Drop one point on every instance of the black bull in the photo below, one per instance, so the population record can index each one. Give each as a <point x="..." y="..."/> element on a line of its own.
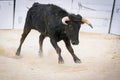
<point x="57" y="24"/>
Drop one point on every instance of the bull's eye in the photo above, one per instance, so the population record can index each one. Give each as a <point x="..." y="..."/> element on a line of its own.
<point x="70" y="27"/>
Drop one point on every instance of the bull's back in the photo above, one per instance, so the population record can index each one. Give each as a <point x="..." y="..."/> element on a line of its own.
<point x="36" y="17"/>
<point x="41" y="15"/>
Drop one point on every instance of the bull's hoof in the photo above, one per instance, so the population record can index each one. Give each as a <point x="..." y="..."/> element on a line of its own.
<point x="40" y="54"/>
<point x="61" y="61"/>
<point x="18" y="53"/>
<point x="77" y="60"/>
<point x="17" y="57"/>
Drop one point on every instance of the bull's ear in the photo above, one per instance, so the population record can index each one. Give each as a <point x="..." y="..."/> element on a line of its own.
<point x="86" y="21"/>
<point x="74" y="17"/>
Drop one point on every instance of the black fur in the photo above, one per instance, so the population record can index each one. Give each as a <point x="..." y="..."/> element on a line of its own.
<point x="47" y="19"/>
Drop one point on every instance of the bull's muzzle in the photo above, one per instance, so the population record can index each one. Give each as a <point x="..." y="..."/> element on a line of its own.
<point x="75" y="42"/>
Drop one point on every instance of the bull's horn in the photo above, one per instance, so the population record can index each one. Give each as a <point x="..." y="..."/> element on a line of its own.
<point x="64" y="19"/>
<point x="87" y="22"/>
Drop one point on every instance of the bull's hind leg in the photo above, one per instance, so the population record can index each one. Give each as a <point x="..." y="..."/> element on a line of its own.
<point x="41" y="38"/>
<point x="25" y="33"/>
<point x="70" y="49"/>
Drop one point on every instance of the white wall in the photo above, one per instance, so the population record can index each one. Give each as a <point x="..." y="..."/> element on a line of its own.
<point x="115" y="28"/>
<point x="6" y="14"/>
<point x="99" y="12"/>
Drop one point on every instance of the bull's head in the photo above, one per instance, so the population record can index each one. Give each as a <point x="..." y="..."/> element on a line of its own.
<point x="72" y="25"/>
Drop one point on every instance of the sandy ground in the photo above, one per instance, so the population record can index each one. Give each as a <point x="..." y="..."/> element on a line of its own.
<point x="99" y="53"/>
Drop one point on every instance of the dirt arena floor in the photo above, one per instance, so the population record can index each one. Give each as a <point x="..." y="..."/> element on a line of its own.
<point x="99" y="53"/>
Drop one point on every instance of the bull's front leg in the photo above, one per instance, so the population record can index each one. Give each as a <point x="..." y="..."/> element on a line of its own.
<point x="58" y="50"/>
<point x="70" y="49"/>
